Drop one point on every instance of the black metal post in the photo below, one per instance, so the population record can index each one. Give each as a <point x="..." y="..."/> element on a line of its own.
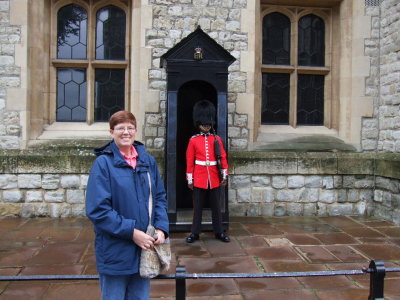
<point x="377" y="276"/>
<point x="180" y="282"/>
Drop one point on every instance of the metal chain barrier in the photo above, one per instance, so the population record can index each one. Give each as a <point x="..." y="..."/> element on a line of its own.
<point x="376" y="270"/>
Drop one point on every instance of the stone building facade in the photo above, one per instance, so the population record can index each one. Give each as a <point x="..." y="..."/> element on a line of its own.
<point x="349" y="165"/>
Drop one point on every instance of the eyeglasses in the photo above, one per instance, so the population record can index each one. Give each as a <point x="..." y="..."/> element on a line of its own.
<point x="122" y="129"/>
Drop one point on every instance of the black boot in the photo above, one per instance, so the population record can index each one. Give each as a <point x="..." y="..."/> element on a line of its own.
<point x="192" y="237"/>
<point x="222" y="237"/>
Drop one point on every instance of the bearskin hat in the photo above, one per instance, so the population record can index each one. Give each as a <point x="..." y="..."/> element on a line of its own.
<point x="203" y="113"/>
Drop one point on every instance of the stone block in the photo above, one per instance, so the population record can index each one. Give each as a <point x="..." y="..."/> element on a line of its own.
<point x="244" y="195"/>
<point x="327" y="182"/>
<point x="279" y="182"/>
<point x="75" y="196"/>
<point x="260" y="181"/>
<point x="13" y="196"/>
<point x="27" y="210"/>
<point x="70" y="181"/>
<point x="54" y="196"/>
<point x="267" y="209"/>
<point x="364" y="182"/>
<point x="317" y="163"/>
<point x="29" y="181"/>
<point x="313" y="182"/>
<point x="288" y="195"/>
<point x="279" y="210"/>
<point x="8" y="181"/>
<point x="34" y="196"/>
<point x="239" y="181"/>
<point x="294" y="209"/>
<point x="308" y="195"/>
<point x="340" y="210"/>
<point x="10" y="210"/>
<point x="237" y="209"/>
<point x="327" y="196"/>
<point x="342" y="196"/>
<point x="78" y="211"/>
<point x="50" y="181"/>
<point x="353" y="195"/>
<point x="295" y="181"/>
<point x="253" y="210"/>
<point x="310" y="209"/>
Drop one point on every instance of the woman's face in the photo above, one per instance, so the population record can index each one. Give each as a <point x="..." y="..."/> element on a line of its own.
<point x="123" y="135"/>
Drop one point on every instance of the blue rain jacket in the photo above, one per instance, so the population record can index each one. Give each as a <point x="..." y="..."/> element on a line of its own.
<point x="117" y="202"/>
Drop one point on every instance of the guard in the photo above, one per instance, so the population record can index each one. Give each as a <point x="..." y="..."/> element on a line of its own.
<point x="203" y="174"/>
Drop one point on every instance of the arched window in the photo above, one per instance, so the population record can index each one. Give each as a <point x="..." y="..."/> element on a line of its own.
<point x="71" y="32"/>
<point x="110" y="33"/>
<point x="91" y="65"/>
<point x="276" y="39"/>
<point x="311" y="31"/>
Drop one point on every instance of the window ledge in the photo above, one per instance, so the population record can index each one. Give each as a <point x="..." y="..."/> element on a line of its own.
<point x="301" y="139"/>
<point x="75" y="130"/>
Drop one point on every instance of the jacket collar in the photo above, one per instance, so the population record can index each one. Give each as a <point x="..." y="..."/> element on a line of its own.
<point x="112" y="149"/>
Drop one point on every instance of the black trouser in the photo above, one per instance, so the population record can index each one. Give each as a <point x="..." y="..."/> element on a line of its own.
<point x="199" y="196"/>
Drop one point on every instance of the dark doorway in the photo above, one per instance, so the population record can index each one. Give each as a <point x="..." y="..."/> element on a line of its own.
<point x="188" y="95"/>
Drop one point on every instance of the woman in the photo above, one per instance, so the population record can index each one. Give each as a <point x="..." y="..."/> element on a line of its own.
<point x="117" y="203"/>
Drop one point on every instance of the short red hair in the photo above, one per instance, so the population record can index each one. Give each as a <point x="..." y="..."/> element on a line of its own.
<point x="122" y="116"/>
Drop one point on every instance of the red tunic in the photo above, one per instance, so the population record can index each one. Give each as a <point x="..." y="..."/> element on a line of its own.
<point x="201" y="149"/>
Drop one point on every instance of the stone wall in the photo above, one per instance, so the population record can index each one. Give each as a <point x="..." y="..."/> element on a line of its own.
<point x="34" y="184"/>
<point x="10" y="35"/>
<point x="173" y="21"/>
<point x="382" y="133"/>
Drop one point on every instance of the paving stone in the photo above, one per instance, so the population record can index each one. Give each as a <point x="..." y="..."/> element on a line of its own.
<point x="363" y="232"/>
<point x="209" y="287"/>
<point x="346" y="294"/>
<point x="327" y="282"/>
<point x="297" y="294"/>
<point x="262" y="229"/>
<point x="334" y="238"/>
<point x="73" y="290"/>
<point x="346" y="253"/>
<point x="59" y="253"/>
<point x="274" y="253"/>
<point x="303" y="239"/>
<point x="259" y="284"/>
<point x="316" y="254"/>
<point x="381" y="252"/>
<point x="24" y="291"/>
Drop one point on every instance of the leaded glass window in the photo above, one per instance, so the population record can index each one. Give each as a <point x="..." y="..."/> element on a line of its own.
<point x="109" y="92"/>
<point x="310" y="100"/>
<point x="110" y="33"/>
<point x="276" y="39"/>
<point x="71" y="94"/>
<point x="275" y="94"/>
<point x="71" y="32"/>
<point x="311" y="41"/>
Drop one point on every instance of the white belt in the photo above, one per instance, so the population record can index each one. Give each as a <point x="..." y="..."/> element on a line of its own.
<point x="206" y="163"/>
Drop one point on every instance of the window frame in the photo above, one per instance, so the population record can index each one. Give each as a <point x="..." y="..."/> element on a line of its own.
<point x="90" y="63"/>
<point x="295" y="13"/>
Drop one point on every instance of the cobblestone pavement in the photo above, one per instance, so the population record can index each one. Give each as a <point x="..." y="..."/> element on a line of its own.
<point x="46" y="246"/>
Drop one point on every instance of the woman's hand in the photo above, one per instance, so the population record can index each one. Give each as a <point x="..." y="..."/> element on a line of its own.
<point x="224" y="182"/>
<point x="160" y="237"/>
<point x="142" y="239"/>
<point x="190" y="186"/>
